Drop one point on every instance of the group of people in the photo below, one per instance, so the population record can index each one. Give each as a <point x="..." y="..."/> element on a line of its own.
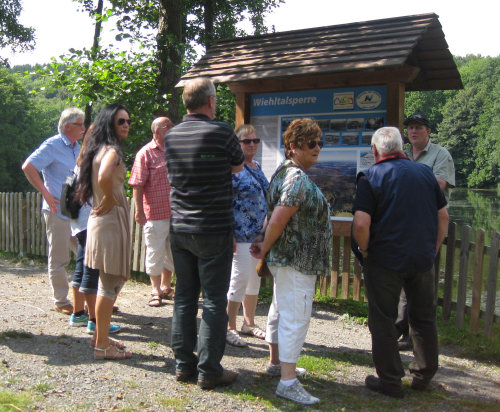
<point x="214" y="215"/>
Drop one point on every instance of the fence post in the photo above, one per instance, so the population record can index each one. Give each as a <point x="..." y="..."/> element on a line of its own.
<point x="448" y="272"/>
<point x="462" y="276"/>
<point x="492" y="285"/>
<point x="477" y="281"/>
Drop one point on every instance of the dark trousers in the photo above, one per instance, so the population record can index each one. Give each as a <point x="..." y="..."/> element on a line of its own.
<point x="402" y="324"/>
<point x="202" y="262"/>
<point x="84" y="278"/>
<point x="383" y="288"/>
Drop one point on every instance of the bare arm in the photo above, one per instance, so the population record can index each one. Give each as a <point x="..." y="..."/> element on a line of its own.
<point x="36" y="181"/>
<point x="237" y="169"/>
<point x="140" y="217"/>
<point x="443" y="218"/>
<point x="442" y="183"/>
<point x="277" y="223"/>
<point x="361" y="229"/>
<point x="107" y="169"/>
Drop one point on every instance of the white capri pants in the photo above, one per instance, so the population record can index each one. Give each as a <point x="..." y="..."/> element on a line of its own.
<point x="290" y="311"/>
<point x="158" y="252"/>
<point x="244" y="278"/>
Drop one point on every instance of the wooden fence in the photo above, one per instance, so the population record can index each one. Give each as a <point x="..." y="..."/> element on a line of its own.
<point x="460" y="285"/>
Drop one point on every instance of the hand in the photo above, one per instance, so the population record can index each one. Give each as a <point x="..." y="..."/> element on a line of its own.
<point x="105" y="206"/>
<point x="256" y="250"/>
<point x="51" y="201"/>
<point x="140" y="217"/>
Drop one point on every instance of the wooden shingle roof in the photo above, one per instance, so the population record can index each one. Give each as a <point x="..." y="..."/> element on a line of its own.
<point x="415" y="42"/>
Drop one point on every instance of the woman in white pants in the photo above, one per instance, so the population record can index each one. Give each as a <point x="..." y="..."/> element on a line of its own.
<point x="296" y="245"/>
<point x="249" y="205"/>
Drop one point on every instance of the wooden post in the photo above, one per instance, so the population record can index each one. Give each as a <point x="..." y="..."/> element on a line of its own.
<point x="334" y="278"/>
<point x="462" y="276"/>
<point x="356" y="284"/>
<point x="477" y="281"/>
<point x="448" y="272"/>
<point x="492" y="285"/>
<point x="346" y="267"/>
<point x="396" y="105"/>
<point x="21" y="224"/>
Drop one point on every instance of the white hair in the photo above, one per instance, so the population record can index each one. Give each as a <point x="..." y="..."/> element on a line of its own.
<point x="69" y="115"/>
<point x="387" y="140"/>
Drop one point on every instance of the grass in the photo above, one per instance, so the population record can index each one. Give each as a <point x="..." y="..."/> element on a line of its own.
<point x="10" y="401"/>
<point x="15" y="334"/>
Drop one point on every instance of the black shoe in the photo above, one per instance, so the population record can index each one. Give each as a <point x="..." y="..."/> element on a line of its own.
<point x="227" y="378"/>
<point x="186" y="376"/>
<point x="375" y="384"/>
<point x="419" y="384"/>
<point x="405" y="344"/>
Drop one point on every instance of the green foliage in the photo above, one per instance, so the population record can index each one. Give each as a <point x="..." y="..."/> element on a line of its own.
<point x="18" y="130"/>
<point x="13" y="34"/>
<point x="466" y="121"/>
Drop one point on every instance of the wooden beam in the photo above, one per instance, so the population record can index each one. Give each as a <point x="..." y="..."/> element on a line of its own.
<point x="404" y="74"/>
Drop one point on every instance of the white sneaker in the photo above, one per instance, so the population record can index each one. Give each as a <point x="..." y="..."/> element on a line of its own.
<point x="275" y="370"/>
<point x="296" y="393"/>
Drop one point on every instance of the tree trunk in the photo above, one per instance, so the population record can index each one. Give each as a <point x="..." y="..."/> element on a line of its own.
<point x="170" y="45"/>
<point x="209" y="23"/>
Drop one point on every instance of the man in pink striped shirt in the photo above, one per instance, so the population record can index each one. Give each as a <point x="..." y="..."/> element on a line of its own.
<point x="152" y="210"/>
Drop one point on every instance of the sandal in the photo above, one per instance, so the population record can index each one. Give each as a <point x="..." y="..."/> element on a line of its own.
<point x="155" y="301"/>
<point x="168" y="294"/>
<point x="112" y="342"/>
<point x="116" y="353"/>
<point x="253" y="331"/>
<point x="234" y="339"/>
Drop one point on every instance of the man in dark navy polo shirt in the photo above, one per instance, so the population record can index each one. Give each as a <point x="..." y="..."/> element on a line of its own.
<point x="400" y="219"/>
<point x="201" y="155"/>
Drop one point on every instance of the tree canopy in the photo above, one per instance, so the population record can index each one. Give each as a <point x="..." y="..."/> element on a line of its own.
<point x="13" y="34"/>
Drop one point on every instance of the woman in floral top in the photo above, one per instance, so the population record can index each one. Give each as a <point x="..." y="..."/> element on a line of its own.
<point x="249" y="205"/>
<point x="296" y="245"/>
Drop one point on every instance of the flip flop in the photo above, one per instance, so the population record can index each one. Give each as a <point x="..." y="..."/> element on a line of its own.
<point x="155" y="301"/>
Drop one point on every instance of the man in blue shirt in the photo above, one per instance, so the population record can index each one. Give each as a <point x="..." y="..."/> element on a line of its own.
<point x="400" y="220"/>
<point x="55" y="159"/>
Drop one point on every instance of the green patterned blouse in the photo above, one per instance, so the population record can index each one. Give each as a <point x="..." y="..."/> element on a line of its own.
<point x="305" y="241"/>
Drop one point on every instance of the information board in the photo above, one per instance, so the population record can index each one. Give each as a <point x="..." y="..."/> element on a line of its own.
<point x="348" y="117"/>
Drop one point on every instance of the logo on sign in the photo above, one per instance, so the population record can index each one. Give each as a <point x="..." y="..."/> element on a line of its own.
<point x="369" y="99"/>
<point x="343" y="101"/>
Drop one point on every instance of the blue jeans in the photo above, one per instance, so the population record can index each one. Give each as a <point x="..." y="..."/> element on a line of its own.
<point x="84" y="278"/>
<point x="383" y="287"/>
<point x="202" y="262"/>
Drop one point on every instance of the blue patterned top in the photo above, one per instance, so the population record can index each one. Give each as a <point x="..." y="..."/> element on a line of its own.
<point x="305" y="242"/>
<point x="249" y="203"/>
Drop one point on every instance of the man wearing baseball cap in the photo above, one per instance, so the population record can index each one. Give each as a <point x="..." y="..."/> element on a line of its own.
<point x="441" y="163"/>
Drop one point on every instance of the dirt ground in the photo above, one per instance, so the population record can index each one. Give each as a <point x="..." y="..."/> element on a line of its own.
<point x="54" y="361"/>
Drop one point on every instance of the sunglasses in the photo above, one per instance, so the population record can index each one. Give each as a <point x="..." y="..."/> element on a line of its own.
<point x="312" y="144"/>
<point x="122" y="121"/>
<point x="248" y="141"/>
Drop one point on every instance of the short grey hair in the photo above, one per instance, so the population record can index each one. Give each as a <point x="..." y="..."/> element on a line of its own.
<point x="69" y="115"/>
<point x="387" y="140"/>
<point x="197" y="92"/>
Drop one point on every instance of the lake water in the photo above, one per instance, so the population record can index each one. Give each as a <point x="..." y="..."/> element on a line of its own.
<point x="479" y="209"/>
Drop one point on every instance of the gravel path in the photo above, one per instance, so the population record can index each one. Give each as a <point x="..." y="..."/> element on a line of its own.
<point x="56" y="362"/>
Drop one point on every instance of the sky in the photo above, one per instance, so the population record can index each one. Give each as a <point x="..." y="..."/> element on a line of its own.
<point x="469" y="27"/>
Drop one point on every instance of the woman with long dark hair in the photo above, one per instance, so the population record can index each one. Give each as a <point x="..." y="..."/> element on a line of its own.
<point x="102" y="173"/>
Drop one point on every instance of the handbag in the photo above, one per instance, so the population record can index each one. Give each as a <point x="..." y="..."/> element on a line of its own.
<point x="263" y="270"/>
<point x="69" y="206"/>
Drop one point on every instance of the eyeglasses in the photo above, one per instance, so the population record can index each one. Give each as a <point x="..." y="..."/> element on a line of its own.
<point x="122" y="121"/>
<point x="248" y="141"/>
<point x="312" y="144"/>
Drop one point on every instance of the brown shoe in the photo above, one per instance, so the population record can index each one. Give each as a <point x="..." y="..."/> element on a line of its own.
<point x="66" y="309"/>
<point x="186" y="376"/>
<point x="227" y="378"/>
